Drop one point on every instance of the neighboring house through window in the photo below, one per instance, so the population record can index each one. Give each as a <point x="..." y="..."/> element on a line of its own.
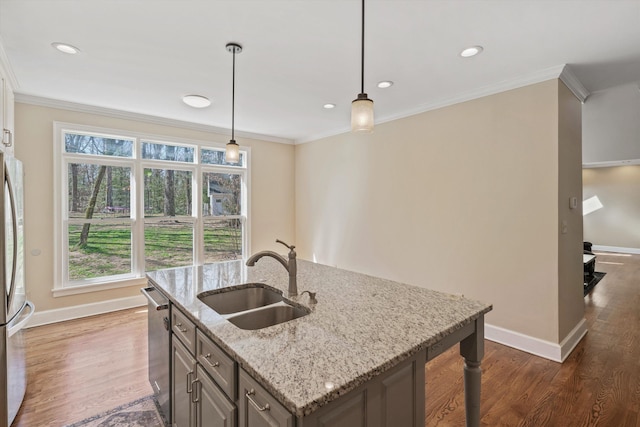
<point x="128" y="203"/>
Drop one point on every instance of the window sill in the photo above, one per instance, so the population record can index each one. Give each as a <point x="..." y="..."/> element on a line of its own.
<point x="96" y="287"/>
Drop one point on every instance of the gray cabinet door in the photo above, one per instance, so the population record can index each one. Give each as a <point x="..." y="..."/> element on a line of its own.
<point x="393" y="399"/>
<point x="401" y="395"/>
<point x="183" y="367"/>
<point x="213" y="408"/>
<point x="349" y="411"/>
<point x="257" y="408"/>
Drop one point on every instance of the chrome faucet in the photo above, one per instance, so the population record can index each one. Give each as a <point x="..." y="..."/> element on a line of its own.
<point x="290" y="265"/>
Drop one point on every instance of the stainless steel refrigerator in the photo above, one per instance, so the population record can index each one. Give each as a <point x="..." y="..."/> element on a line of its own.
<point x="15" y="310"/>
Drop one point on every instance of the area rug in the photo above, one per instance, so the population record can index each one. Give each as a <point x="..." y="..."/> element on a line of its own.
<point x="139" y="413"/>
<point x="592" y="281"/>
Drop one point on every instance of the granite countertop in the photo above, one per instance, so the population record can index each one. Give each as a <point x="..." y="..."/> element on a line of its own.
<point x="361" y="326"/>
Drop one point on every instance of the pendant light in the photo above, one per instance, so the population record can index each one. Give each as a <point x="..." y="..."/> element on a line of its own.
<point x="362" y="107"/>
<point x="232" y="152"/>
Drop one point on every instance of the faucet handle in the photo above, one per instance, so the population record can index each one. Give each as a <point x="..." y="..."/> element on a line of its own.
<point x="290" y="247"/>
<point x="312" y="297"/>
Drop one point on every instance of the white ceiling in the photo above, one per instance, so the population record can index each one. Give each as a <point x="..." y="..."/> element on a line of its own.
<point x="142" y="56"/>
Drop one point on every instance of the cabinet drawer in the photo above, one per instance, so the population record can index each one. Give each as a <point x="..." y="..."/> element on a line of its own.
<point x="257" y="407"/>
<point x="218" y="365"/>
<point x="183" y="328"/>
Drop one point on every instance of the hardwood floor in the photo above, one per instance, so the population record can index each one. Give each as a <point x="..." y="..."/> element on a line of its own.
<point x="598" y="384"/>
<point x="80" y="368"/>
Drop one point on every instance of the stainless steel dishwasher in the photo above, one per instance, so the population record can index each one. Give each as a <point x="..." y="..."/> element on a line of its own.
<point x="159" y="349"/>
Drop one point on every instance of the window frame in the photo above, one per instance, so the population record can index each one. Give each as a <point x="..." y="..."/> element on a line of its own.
<point x="62" y="285"/>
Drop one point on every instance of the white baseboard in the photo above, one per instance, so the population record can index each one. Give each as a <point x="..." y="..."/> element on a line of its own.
<point x="572" y="339"/>
<point x="536" y="346"/>
<point x="616" y="249"/>
<point x="77" y="311"/>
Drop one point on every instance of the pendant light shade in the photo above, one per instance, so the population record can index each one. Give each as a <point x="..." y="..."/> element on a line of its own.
<point x="362" y="114"/>
<point x="362" y="119"/>
<point x="232" y="151"/>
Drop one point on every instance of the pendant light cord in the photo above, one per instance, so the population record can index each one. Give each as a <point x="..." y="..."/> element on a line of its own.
<point x="233" y="95"/>
<point x="362" y="56"/>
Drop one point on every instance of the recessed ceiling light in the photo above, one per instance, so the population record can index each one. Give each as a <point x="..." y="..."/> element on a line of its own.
<point x="329" y="106"/>
<point x="66" y="48"/>
<point x="196" y="101"/>
<point x="471" y="51"/>
<point x="385" y="84"/>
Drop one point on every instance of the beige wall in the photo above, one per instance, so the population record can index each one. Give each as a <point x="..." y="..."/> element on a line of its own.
<point x="618" y="222"/>
<point x="611" y="127"/>
<point x="272" y="190"/>
<point x="463" y="199"/>
<point x="570" y="267"/>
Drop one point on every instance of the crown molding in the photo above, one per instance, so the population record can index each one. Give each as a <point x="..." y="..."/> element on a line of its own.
<point x="611" y="164"/>
<point x="563" y="72"/>
<point x="502" y="86"/>
<point x="5" y="67"/>
<point x="139" y="117"/>
<point x="322" y="135"/>
<point x="575" y="86"/>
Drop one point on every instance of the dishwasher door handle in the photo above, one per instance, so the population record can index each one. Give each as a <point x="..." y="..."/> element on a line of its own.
<point x="157" y="305"/>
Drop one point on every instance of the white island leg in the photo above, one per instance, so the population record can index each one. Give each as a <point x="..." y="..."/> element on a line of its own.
<point x="472" y="349"/>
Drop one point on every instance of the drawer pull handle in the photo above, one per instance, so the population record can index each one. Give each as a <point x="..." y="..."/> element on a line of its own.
<point x="252" y="392"/>
<point x="189" y="382"/>
<point x="214" y="364"/>
<point x="179" y="326"/>
<point x="194" y="387"/>
<point x="9" y="141"/>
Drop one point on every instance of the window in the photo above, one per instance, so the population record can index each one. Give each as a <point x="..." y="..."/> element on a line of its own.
<point x="129" y="204"/>
<point x="99" y="224"/>
<point x="222" y="214"/>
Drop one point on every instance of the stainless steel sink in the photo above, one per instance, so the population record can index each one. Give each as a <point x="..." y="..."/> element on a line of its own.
<point x="242" y="299"/>
<point x="252" y="307"/>
<point x="267" y="316"/>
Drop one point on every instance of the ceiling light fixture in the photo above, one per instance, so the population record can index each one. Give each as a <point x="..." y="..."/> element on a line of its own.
<point x="66" y="48"/>
<point x="329" y="106"/>
<point x="385" y="84"/>
<point x="471" y="51"/>
<point x="362" y="107"/>
<point x="196" y="101"/>
<point x="232" y="152"/>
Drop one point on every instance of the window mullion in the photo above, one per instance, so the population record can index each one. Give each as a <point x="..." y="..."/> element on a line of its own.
<point x="65" y="253"/>
<point x="137" y="237"/>
<point x="198" y="229"/>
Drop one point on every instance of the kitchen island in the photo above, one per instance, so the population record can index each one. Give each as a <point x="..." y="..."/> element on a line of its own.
<point x="362" y="328"/>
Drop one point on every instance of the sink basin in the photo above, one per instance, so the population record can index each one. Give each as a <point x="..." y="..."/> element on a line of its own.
<point x="252" y="307"/>
<point x="267" y="316"/>
<point x="241" y="299"/>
